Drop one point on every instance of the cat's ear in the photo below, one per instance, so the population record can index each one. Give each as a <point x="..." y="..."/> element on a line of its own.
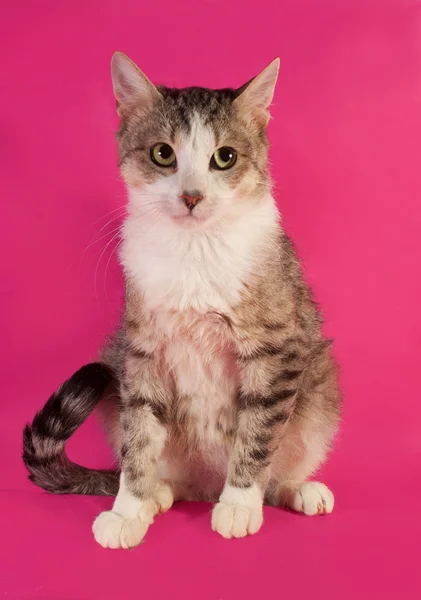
<point x="131" y="86"/>
<point x="255" y="96"/>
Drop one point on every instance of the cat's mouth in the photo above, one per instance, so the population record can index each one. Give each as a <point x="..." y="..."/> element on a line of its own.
<point x="191" y="218"/>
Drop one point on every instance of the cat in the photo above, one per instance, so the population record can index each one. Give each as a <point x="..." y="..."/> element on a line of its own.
<point x="219" y="385"/>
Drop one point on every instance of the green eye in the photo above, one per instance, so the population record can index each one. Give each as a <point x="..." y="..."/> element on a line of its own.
<point x="224" y="158"/>
<point x="163" y="155"/>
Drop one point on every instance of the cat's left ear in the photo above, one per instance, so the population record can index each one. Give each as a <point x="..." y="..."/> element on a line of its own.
<point x="255" y="96"/>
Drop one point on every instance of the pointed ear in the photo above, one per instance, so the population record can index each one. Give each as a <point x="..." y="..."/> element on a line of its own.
<point x="255" y="96"/>
<point x="131" y="86"/>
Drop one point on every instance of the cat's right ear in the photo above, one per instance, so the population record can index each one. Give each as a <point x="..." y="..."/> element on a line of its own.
<point x="131" y="86"/>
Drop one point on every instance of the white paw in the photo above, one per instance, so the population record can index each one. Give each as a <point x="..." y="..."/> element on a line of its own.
<point x="235" y="520"/>
<point x="126" y="525"/>
<point x="312" y="498"/>
<point x="111" y="530"/>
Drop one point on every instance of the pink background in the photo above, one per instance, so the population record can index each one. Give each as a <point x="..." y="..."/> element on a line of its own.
<point x="346" y="139"/>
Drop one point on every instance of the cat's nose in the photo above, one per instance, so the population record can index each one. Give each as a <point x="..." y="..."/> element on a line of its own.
<point x="191" y="199"/>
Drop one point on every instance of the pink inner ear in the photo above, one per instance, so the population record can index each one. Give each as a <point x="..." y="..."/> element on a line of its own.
<point x="130" y="84"/>
<point x="257" y="93"/>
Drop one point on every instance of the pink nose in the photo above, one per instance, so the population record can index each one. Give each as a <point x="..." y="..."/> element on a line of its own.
<point x="190" y="200"/>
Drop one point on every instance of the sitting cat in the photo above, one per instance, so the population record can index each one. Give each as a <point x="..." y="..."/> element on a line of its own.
<point x="219" y="385"/>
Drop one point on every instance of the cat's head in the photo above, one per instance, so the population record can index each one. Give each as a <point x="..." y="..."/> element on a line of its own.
<point x="192" y="155"/>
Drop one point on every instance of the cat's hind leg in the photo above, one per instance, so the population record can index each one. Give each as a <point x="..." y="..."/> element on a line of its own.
<point x="307" y="442"/>
<point x="290" y="486"/>
<point x="295" y="464"/>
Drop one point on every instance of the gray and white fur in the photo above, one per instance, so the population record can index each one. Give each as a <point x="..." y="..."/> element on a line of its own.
<point x="219" y="385"/>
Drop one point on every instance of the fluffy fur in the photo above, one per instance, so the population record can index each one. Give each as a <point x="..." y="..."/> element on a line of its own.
<point x="221" y="386"/>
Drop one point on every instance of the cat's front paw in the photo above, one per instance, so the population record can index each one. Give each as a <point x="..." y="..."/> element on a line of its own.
<point x="111" y="530"/>
<point x="236" y="520"/>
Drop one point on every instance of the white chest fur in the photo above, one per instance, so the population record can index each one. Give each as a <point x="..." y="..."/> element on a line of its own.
<point x="177" y="270"/>
<point x="186" y="278"/>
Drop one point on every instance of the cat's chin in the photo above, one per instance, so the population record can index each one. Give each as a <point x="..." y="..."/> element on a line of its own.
<point x="191" y="220"/>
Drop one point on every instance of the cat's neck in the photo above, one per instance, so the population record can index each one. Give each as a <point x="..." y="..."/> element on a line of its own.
<point x="201" y="268"/>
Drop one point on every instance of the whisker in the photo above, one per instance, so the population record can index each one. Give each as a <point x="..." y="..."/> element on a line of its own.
<point x="96" y="240"/>
<point x="117" y="216"/>
<point x="115" y="236"/>
<point x="106" y="215"/>
<point x="113" y="251"/>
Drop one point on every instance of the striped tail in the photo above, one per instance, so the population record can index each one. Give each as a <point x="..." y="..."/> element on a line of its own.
<point x="44" y="440"/>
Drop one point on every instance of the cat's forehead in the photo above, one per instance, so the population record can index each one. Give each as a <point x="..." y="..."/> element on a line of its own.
<point x="181" y="109"/>
<point x="210" y="105"/>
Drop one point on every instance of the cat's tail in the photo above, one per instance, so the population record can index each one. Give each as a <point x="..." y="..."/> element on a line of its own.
<point x="44" y="440"/>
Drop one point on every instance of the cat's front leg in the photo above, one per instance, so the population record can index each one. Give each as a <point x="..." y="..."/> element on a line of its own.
<point x="239" y="511"/>
<point x="269" y="380"/>
<point x="146" y="400"/>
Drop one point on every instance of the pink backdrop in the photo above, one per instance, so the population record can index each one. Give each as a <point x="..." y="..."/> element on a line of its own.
<point x="346" y="139"/>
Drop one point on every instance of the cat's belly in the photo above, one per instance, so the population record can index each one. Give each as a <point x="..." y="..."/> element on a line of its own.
<point x="203" y="415"/>
<point x="206" y="383"/>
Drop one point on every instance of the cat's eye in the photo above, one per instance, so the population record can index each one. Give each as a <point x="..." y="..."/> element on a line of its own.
<point x="163" y="155"/>
<point x="224" y="158"/>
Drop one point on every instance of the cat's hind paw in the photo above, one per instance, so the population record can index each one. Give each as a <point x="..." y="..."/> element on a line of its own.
<point x="311" y="498"/>
<point x="164" y="497"/>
